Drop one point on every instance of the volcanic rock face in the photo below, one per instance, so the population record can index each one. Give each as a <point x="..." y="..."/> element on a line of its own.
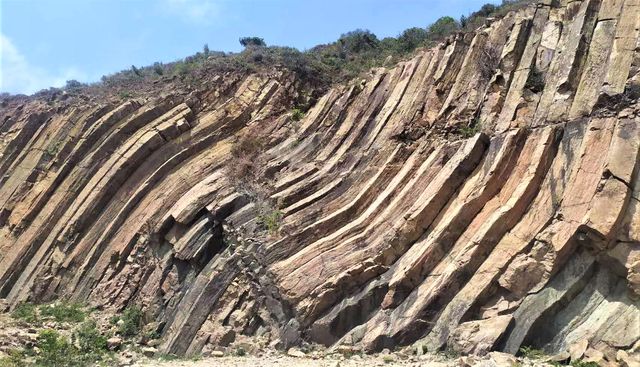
<point x="385" y="227"/>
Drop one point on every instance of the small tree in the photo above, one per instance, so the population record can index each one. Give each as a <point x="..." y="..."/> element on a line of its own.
<point x="463" y="21"/>
<point x="135" y="70"/>
<point x="412" y="38"/>
<point x="205" y="50"/>
<point x="73" y="84"/>
<point x="158" y="68"/>
<point x="252" y="41"/>
<point x="486" y="10"/>
<point x="442" y="28"/>
<point x="358" y="41"/>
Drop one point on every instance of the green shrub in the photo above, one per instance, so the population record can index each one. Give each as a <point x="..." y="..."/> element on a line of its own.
<point x="349" y="56"/>
<point x="55" y="350"/>
<point x="357" y="41"/>
<point x="86" y="346"/>
<point x="63" y="312"/>
<point x="450" y="353"/>
<point x="387" y="358"/>
<point x="252" y="41"/>
<point x="14" y="358"/>
<point x="113" y="320"/>
<point x="271" y="221"/>
<point x="411" y="39"/>
<point x="531" y="352"/>
<point x="580" y="363"/>
<point x="181" y="68"/>
<point x="297" y="114"/>
<point x="477" y="18"/>
<point x="131" y="322"/>
<point x="53" y="148"/>
<point x="73" y="85"/>
<point x="487" y="10"/>
<point x="125" y="94"/>
<point x="151" y="334"/>
<point x="442" y="28"/>
<point x="471" y="129"/>
<point x="157" y="68"/>
<point x="135" y="70"/>
<point x="464" y="20"/>
<point x="241" y="352"/>
<point x="26" y="312"/>
<point x="89" y="339"/>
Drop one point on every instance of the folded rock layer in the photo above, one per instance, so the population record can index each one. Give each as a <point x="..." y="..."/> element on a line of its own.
<point x="482" y="195"/>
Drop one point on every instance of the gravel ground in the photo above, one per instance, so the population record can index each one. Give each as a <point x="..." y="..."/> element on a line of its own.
<point x="272" y="359"/>
<point x="283" y="360"/>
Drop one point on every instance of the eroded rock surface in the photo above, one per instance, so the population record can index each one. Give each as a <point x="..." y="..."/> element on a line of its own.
<point x="370" y="223"/>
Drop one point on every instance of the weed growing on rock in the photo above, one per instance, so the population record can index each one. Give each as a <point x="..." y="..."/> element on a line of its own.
<point x="271" y="221"/>
<point x="471" y="129"/>
<point x="297" y="114"/>
<point x="53" y="149"/>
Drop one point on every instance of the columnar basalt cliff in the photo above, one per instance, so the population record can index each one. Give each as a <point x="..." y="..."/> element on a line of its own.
<point x="482" y="195"/>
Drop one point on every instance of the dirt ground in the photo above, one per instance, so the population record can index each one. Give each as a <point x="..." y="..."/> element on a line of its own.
<point x="283" y="360"/>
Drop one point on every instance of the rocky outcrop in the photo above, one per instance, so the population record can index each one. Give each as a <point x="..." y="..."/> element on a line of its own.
<point x="375" y="221"/>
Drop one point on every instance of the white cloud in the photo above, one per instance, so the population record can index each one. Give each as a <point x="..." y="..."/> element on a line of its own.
<point x="17" y="75"/>
<point x="195" y="11"/>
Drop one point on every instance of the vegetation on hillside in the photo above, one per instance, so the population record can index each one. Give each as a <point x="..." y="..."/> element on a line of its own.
<point x="352" y="54"/>
<point x="64" y="334"/>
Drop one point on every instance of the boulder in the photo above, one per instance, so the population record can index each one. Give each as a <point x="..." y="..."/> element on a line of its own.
<point x="294" y="352"/>
<point x="503" y="359"/>
<point x="627" y="360"/>
<point x="560" y="357"/>
<point x="577" y="349"/>
<point x="479" y="337"/>
<point x="114" y="343"/>
<point x="594" y="355"/>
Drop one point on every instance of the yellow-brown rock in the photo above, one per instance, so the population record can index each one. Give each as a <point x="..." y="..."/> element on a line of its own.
<point x="347" y="231"/>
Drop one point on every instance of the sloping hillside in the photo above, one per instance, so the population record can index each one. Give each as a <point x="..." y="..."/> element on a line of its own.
<point x="483" y="195"/>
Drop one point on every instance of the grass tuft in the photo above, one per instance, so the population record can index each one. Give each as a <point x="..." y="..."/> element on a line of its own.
<point x="63" y="312"/>
<point x="531" y="353"/>
<point x="26" y="312"/>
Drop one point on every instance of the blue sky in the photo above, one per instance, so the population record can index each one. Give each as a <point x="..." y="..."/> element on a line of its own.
<point x="46" y="42"/>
